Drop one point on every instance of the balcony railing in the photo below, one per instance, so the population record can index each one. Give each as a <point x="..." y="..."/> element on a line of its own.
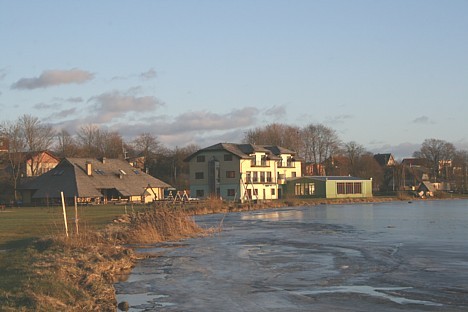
<point x="261" y="163"/>
<point x="285" y="164"/>
<point x="258" y="181"/>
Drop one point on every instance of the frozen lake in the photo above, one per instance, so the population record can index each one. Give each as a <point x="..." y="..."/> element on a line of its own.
<point x="356" y="257"/>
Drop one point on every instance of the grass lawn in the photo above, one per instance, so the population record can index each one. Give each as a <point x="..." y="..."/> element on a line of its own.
<point x="20" y="225"/>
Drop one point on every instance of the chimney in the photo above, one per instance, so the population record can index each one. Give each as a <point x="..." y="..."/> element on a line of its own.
<point x="89" y="168"/>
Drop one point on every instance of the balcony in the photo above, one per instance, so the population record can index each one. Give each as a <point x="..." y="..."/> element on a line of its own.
<point x="261" y="163"/>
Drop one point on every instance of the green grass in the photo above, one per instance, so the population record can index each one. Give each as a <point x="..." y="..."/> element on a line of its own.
<point x="18" y="226"/>
<point x="19" y="254"/>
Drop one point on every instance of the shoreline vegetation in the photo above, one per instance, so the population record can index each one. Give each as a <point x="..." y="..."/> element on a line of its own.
<point x="53" y="272"/>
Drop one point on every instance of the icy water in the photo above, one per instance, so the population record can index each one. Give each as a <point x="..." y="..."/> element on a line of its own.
<point x="410" y="256"/>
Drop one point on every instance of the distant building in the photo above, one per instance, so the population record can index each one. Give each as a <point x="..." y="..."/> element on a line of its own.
<point x="4" y="147"/>
<point x="328" y="187"/>
<point x="242" y="171"/>
<point x="94" y="181"/>
<point x="385" y="159"/>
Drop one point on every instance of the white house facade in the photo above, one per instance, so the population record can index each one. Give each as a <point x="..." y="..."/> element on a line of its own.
<point x="241" y="171"/>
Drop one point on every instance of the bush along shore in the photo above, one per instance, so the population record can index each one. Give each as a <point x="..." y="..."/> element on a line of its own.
<point x="56" y="273"/>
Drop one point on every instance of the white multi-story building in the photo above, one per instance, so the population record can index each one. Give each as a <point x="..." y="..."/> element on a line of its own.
<point x="241" y="171"/>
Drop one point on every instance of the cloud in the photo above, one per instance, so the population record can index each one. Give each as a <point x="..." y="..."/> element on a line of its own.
<point x="3" y="73"/>
<point x="51" y="78"/>
<point x="195" y="127"/>
<point x="64" y="113"/>
<point x="208" y="121"/>
<point x="150" y="74"/>
<point x="74" y="100"/>
<point x="339" y="119"/>
<point x="399" y="151"/>
<point x="112" y="105"/>
<point x="276" y="111"/>
<point x="44" y="106"/>
<point x="424" y="120"/>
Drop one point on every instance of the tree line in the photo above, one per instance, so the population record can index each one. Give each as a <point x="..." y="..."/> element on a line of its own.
<point x="321" y="146"/>
<point x="318" y="145"/>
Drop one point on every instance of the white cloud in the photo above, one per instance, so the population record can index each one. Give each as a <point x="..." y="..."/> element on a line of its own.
<point x="113" y="105"/>
<point x="50" y="78"/>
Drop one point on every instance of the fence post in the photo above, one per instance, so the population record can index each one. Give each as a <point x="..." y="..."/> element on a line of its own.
<point x="64" y="214"/>
<point x="76" y="216"/>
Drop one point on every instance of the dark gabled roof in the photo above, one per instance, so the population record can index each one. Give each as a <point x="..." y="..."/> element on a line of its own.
<point x="70" y="177"/>
<point x="383" y="159"/>
<point x="421" y="162"/>
<point x="245" y="150"/>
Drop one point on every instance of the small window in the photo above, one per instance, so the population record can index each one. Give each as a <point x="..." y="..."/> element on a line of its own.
<point x="199" y="175"/>
<point x="293" y="174"/>
<point x="273" y="192"/>
<point x="231" y="192"/>
<point x="201" y="158"/>
<point x="230" y="174"/>
<point x="340" y="188"/>
<point x="227" y="157"/>
<point x="199" y="193"/>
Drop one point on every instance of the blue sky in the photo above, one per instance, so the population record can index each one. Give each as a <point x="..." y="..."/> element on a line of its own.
<point x="386" y="74"/>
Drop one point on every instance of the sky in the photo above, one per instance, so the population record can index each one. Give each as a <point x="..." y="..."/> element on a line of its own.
<point x="385" y="74"/>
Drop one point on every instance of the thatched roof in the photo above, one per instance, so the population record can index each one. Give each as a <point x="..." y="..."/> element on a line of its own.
<point x="70" y="176"/>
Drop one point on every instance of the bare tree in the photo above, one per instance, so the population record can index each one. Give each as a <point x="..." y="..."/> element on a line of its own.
<point x="16" y="147"/>
<point x="275" y="134"/>
<point x="66" y="144"/>
<point x="319" y="143"/>
<point x="88" y="138"/>
<point x="436" y="152"/>
<point x="38" y="137"/>
<point x="353" y="152"/>
<point x="147" y="145"/>
<point x="460" y="168"/>
<point x="110" y="144"/>
<point x="27" y="135"/>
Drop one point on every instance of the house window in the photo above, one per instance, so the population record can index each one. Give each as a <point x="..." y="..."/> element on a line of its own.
<point x="199" y="193"/>
<point x="302" y="189"/>
<point x="227" y="157"/>
<point x="248" y="176"/>
<point x="255" y="177"/>
<point x="255" y="192"/>
<point x="357" y="188"/>
<point x="199" y="175"/>
<point x="340" y="188"/>
<point x="349" y="188"/>
<point x="273" y="192"/>
<point x="201" y="158"/>
<point x="230" y="174"/>
<point x="299" y="189"/>
<point x="231" y="192"/>
<point x="269" y="180"/>
<point x="293" y="174"/>
<point x="262" y="176"/>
